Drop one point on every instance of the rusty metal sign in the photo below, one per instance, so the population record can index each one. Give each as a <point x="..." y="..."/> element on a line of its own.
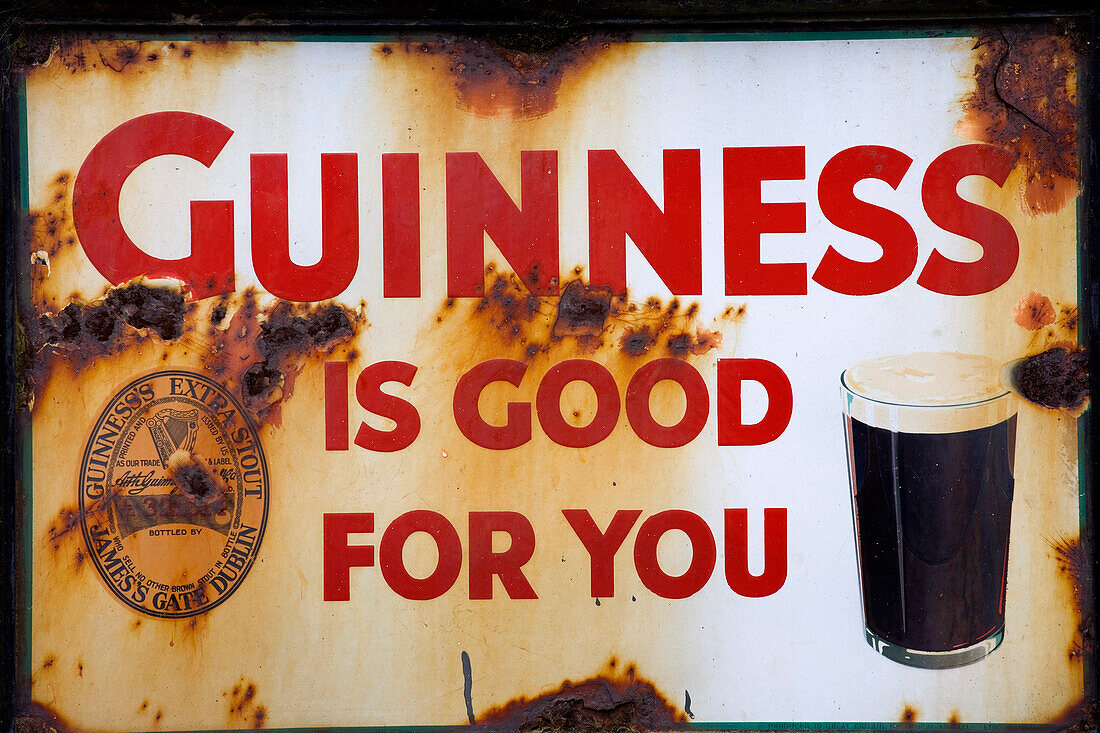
<point x="730" y="381"/>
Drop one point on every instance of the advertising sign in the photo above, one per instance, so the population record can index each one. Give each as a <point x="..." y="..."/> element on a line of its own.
<point x="729" y="381"/>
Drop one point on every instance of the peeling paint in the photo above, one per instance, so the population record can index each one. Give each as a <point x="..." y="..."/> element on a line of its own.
<point x="1057" y="378"/>
<point x="261" y="350"/>
<point x="1034" y="311"/>
<point x="1025" y="100"/>
<point x="617" y="699"/>
<point x="84" y="331"/>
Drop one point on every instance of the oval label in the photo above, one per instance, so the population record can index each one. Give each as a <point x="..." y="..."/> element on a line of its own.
<point x="173" y="494"/>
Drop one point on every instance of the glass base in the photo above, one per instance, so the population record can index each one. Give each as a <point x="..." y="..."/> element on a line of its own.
<point x="935" y="660"/>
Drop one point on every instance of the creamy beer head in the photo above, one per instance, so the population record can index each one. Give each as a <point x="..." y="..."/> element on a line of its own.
<point x="927" y="378"/>
<point x="909" y="392"/>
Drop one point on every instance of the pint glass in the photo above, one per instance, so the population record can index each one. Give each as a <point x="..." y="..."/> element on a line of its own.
<point x="930" y="440"/>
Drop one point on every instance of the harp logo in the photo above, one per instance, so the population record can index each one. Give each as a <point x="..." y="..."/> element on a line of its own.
<point x="173" y="494"/>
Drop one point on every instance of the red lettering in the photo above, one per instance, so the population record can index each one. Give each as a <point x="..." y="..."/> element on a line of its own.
<point x="731" y="373"/>
<point x="695" y="392"/>
<point x="670" y="240"/>
<point x="738" y="577"/>
<point x="746" y="218"/>
<point x="391" y="561"/>
<point x="527" y="236"/>
<point x="704" y="554"/>
<point x="516" y="431"/>
<point x="208" y="269"/>
<point x="369" y="394"/>
<point x="548" y="403"/>
<point x="889" y="230"/>
<point x="339" y="556"/>
<point x="506" y="565"/>
<point x="602" y="546"/>
<point x="400" y="225"/>
<point x="952" y="213"/>
<point x="336" y="405"/>
<point x="332" y="274"/>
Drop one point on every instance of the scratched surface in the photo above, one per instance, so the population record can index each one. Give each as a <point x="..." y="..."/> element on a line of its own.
<point x="275" y="653"/>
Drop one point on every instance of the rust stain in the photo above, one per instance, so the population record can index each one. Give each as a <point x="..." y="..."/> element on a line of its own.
<point x="908" y="715"/>
<point x="1057" y="378"/>
<point x="88" y="53"/>
<point x="63" y="535"/>
<point x="1072" y="556"/>
<point x="585" y="319"/>
<point x="1025" y="100"/>
<point x="1082" y="716"/>
<point x="243" y="707"/>
<point x="38" y="718"/>
<point x="50" y="239"/>
<point x="954" y="721"/>
<point x="497" y="82"/>
<point x="615" y="699"/>
<point x="261" y="350"/>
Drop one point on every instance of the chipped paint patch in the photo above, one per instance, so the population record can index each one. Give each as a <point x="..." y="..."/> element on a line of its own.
<point x="261" y="350"/>
<point x="1034" y="311"/>
<point x="1025" y="100"/>
<point x="616" y="699"/>
<point x="1057" y="378"/>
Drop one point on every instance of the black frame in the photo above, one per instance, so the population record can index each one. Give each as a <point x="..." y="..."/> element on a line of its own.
<point x="26" y="33"/>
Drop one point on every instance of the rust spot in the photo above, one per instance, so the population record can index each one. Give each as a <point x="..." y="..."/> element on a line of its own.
<point x="1069" y="318"/>
<point x="80" y="669"/>
<point x="682" y="344"/>
<point x="37" y="718"/>
<point x="618" y="701"/>
<point x="262" y="350"/>
<point x="908" y="715"/>
<point x="243" y="707"/>
<point x="48" y="661"/>
<point x="582" y="311"/>
<point x="1034" y="311"/>
<point x="585" y="316"/>
<point x="1057" y="378"/>
<point x="1072" y="556"/>
<point x="199" y="482"/>
<point x="81" y="332"/>
<point x="493" y="81"/>
<point x="63" y="531"/>
<point x="637" y="341"/>
<point x="117" y="55"/>
<point x="954" y="720"/>
<point x="1083" y="716"/>
<point x="1025" y="101"/>
<point x="217" y="315"/>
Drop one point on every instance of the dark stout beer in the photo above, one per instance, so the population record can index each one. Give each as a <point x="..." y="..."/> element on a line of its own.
<point x="932" y="491"/>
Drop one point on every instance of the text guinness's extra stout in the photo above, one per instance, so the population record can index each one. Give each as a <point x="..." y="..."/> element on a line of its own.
<point x="930" y="450"/>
